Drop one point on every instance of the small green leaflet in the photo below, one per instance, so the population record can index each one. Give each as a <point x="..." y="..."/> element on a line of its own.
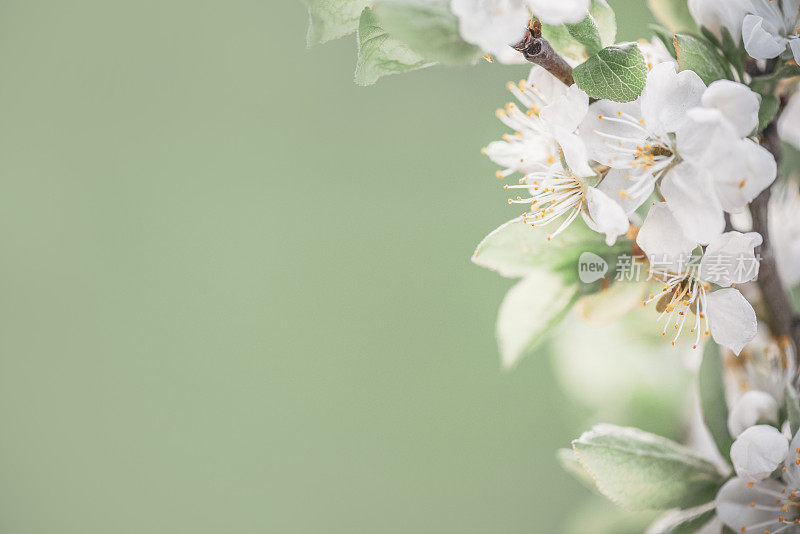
<point x="428" y="28"/>
<point x="530" y="311"/>
<point x="683" y="521"/>
<point x="767" y="111"/>
<point x="380" y="54"/>
<point x="615" y="73"/>
<point x="578" y="41"/>
<point x="331" y="19"/>
<point x="642" y="471"/>
<point x="712" y="398"/>
<point x="698" y="55"/>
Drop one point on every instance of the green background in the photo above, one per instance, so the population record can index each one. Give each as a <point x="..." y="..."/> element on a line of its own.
<point x="236" y="288"/>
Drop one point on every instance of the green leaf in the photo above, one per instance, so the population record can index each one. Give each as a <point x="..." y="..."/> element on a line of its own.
<point x="683" y="521"/>
<point x="563" y="42"/>
<point x="674" y="14"/>
<point x="516" y="249"/>
<point x="793" y="408"/>
<point x="712" y="398"/>
<point x="428" y="28"/>
<point x="606" y="21"/>
<point x="587" y="34"/>
<point x="616" y="73"/>
<point x="698" y="55"/>
<point x="666" y="37"/>
<point x="569" y="462"/>
<point x="642" y="471"/>
<point x="331" y="19"/>
<point x="380" y="54"/>
<point x="768" y="110"/>
<point x="530" y="311"/>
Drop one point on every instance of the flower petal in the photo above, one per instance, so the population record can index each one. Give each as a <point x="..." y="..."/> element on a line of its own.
<point x="627" y="190"/>
<point x="563" y="11"/>
<point x="568" y="110"/>
<point x="749" y="409"/>
<point x="741" y="505"/>
<point x="761" y="40"/>
<point x="737" y="102"/>
<point x="663" y="241"/>
<point x="758" y="451"/>
<point x="605" y="216"/>
<point x="690" y="195"/>
<point x="731" y="318"/>
<point x="667" y="96"/>
<point x="746" y="170"/>
<point x="731" y="259"/>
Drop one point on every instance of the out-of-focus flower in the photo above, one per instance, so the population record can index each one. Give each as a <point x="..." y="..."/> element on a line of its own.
<point x="789" y="123"/>
<point x="492" y="25"/>
<point x="560" y="11"/>
<point x="758" y="503"/>
<point x="772" y="29"/>
<point x="750" y="409"/>
<point x="729" y="259"/>
<point x="784" y="228"/>
<point x="718" y="14"/>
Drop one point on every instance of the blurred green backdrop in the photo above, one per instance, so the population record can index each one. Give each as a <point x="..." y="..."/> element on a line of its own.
<point x="236" y="288"/>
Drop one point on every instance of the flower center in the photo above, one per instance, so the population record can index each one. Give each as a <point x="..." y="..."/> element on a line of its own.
<point x="681" y="295"/>
<point x="552" y="195"/>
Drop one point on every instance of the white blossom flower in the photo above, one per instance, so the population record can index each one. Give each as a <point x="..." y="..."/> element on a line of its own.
<point x="772" y="29"/>
<point x="533" y="145"/>
<point x="558" y="193"/>
<point x="718" y="14"/>
<point x="730" y="259"/>
<point x="768" y="505"/>
<point x="636" y="136"/>
<point x="784" y="228"/>
<point x="679" y="118"/>
<point x="789" y="123"/>
<point x="493" y="25"/>
<point x="750" y="409"/>
<point x="559" y="11"/>
<point x="545" y="132"/>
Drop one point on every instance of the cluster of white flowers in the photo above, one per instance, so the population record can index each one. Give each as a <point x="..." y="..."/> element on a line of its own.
<point x="603" y="161"/>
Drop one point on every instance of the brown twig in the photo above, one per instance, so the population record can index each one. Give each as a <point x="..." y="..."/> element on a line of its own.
<point x="537" y="49"/>
<point x="781" y="320"/>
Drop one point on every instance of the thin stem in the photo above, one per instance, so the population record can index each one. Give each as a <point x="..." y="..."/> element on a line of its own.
<point x="781" y="320"/>
<point x="537" y="49"/>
